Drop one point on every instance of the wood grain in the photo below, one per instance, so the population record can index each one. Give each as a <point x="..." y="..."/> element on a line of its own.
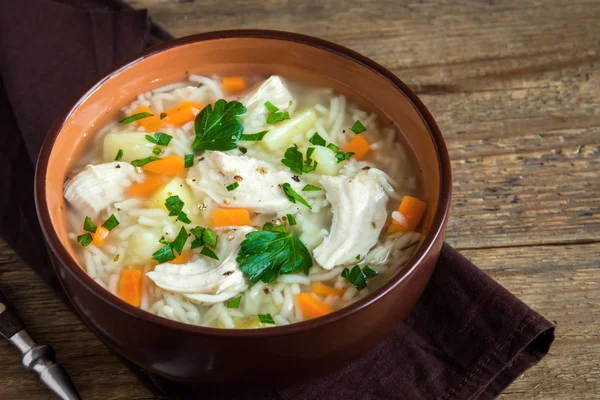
<point x="514" y="86"/>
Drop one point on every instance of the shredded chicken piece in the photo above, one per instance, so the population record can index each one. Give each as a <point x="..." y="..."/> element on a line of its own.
<point x="96" y="187"/>
<point x="359" y="212"/>
<point x="205" y="280"/>
<point x="274" y="90"/>
<point x="259" y="187"/>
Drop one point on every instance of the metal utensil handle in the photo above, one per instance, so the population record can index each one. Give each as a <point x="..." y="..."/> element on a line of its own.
<point x="10" y="323"/>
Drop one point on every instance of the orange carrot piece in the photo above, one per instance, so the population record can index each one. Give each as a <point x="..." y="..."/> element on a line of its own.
<point x="231" y="217"/>
<point x="233" y="84"/>
<point x="324" y="290"/>
<point x="171" y="165"/>
<point x="311" y="307"/>
<point x="151" y="124"/>
<point x="183" y="112"/>
<point x="99" y="236"/>
<point x="359" y="145"/>
<point x="182" y="258"/>
<point x="130" y="286"/>
<point x="148" y="186"/>
<point x="412" y="209"/>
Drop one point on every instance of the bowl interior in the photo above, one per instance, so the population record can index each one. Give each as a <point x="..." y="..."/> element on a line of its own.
<point x="304" y="62"/>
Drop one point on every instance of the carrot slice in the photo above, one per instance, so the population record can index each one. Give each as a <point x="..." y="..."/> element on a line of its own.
<point x="171" y="165"/>
<point x="147" y="186"/>
<point x="99" y="236"/>
<point x="151" y="124"/>
<point x="234" y="84"/>
<point x="182" y="258"/>
<point x="130" y="287"/>
<point x="311" y="307"/>
<point x="183" y="112"/>
<point x="412" y="209"/>
<point x="359" y="145"/>
<point x="324" y="290"/>
<point x="231" y="217"/>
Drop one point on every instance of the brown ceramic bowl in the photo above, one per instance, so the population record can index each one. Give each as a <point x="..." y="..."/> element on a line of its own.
<point x="284" y="354"/>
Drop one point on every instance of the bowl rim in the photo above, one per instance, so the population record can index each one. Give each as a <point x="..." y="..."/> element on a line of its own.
<point x="63" y="256"/>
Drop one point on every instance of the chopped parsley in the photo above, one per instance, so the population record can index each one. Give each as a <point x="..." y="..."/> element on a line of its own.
<point x="135" y="117"/>
<point x="184" y="218"/>
<point x="267" y="253"/>
<point x="234" y="303"/>
<point x="218" y="128"/>
<point x="271" y="227"/>
<point x="119" y="155"/>
<point x="309" y="153"/>
<point x="189" y="160"/>
<point x="167" y="253"/>
<point x="254" y="137"/>
<point x="197" y="232"/>
<point x="85" y="239"/>
<point x="274" y="114"/>
<point x="317" y="140"/>
<point x="156" y="151"/>
<point x="293" y="196"/>
<point x="210" y="238"/>
<point x="209" y="253"/>
<point x="333" y="147"/>
<point x="358" y="127"/>
<point x="293" y="159"/>
<point x="111" y="222"/>
<point x="311" y="188"/>
<point x="291" y="219"/>
<point x="159" y="139"/>
<point x="89" y="225"/>
<point x="340" y="156"/>
<point x="358" y="277"/>
<point x="358" y="256"/>
<point x="233" y="186"/>
<point x="175" y="205"/>
<point x="266" y="318"/>
<point x="144" y="161"/>
<point x="271" y="107"/>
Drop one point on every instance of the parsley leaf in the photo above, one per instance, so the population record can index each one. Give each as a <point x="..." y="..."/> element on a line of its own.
<point x="174" y="205"/>
<point x="111" y="222"/>
<point x="234" y="303"/>
<point x="317" y="140"/>
<point x="254" y="137"/>
<point x="266" y="318"/>
<point x="209" y="253"/>
<point x="333" y="147"/>
<point x="89" y="225"/>
<point x="277" y="117"/>
<point x="358" y="127"/>
<point x="135" y="117"/>
<point x="144" y="161"/>
<point x="293" y="159"/>
<point x="293" y="196"/>
<point x="156" y="151"/>
<point x="309" y="153"/>
<point x="271" y="227"/>
<point x="180" y="240"/>
<point x="358" y="277"/>
<point x="369" y="272"/>
<point x="189" y="160"/>
<point x="291" y="219"/>
<point x="311" y="188"/>
<point x="85" y="239"/>
<point x="218" y="128"/>
<point x="209" y="237"/>
<point x="197" y="232"/>
<point x="265" y="254"/>
<point x="184" y="218"/>
<point x="271" y="107"/>
<point x="160" y="139"/>
<point x="167" y="252"/>
<point x="233" y="186"/>
<point x="119" y="155"/>
<point x="341" y="156"/>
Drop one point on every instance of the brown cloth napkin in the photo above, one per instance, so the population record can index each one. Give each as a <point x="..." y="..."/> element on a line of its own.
<point x="467" y="338"/>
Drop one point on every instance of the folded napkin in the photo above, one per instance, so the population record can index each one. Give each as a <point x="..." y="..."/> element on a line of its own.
<point x="467" y="338"/>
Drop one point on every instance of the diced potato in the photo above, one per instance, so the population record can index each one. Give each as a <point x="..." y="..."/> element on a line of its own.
<point x="282" y="135"/>
<point x="176" y="187"/>
<point x="133" y="144"/>
<point x="142" y="244"/>
<point x="327" y="163"/>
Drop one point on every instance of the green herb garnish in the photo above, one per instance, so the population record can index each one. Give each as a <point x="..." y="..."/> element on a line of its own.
<point x="358" y="127"/>
<point x="341" y="156"/>
<point x="265" y="254"/>
<point x="271" y="107"/>
<point x="333" y="147"/>
<point x="369" y="272"/>
<point x="135" y="117"/>
<point x="210" y="237"/>
<point x="167" y="253"/>
<point x="317" y="140"/>
<point x="174" y="205"/>
<point x="234" y="303"/>
<point x="85" y="239"/>
<point x="254" y="137"/>
<point x="111" y="222"/>
<point x="291" y="219"/>
<point x="309" y="153"/>
<point x="311" y="188"/>
<point x="218" y="128"/>
<point x="184" y="218"/>
<point x="266" y="319"/>
<point x="358" y="256"/>
<point x="119" y="155"/>
<point x="293" y="196"/>
<point x="358" y="277"/>
<point x="189" y="160"/>
<point x="197" y="232"/>
<point x="271" y="227"/>
<point x="293" y="159"/>
<point x="156" y="151"/>
<point x="159" y="139"/>
<point x="89" y="225"/>
<point x="277" y="117"/>
<point x="233" y="186"/>
<point x="209" y="253"/>
<point x="144" y="161"/>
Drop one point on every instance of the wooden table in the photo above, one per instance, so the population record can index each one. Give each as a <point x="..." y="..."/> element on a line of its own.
<point x="514" y="86"/>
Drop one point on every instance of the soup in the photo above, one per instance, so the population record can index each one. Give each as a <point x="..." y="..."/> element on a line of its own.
<point x="241" y="202"/>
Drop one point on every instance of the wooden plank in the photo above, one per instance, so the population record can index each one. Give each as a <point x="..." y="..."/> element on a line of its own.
<point x="560" y="282"/>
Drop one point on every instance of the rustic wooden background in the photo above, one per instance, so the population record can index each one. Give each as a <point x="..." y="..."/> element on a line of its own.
<point x="514" y="86"/>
